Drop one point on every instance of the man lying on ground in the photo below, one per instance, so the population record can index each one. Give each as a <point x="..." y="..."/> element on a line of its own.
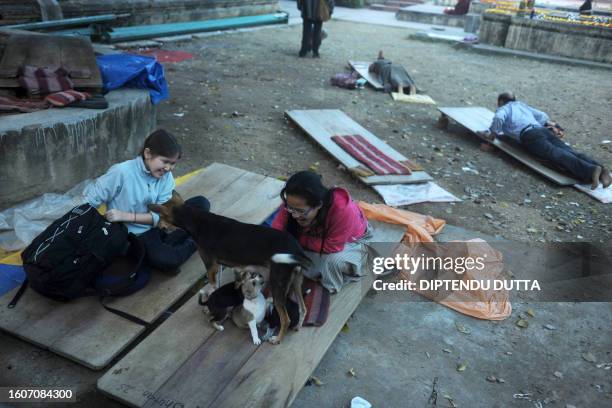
<point x="393" y="77"/>
<point x="531" y="128"/>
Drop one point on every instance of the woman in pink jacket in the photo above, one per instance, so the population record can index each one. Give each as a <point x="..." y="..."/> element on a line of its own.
<point x="329" y="226"/>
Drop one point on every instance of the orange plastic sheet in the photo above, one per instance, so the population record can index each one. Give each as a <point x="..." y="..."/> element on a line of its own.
<point x="482" y="304"/>
<point x="419" y="227"/>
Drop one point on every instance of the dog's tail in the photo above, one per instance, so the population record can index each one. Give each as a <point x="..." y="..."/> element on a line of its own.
<point x="292" y="259"/>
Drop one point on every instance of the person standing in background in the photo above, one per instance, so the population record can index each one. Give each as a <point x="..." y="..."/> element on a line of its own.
<point x="314" y="13"/>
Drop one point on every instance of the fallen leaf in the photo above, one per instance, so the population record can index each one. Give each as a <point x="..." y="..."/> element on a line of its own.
<point x="352" y="372"/>
<point x="345" y="328"/>
<point x="461" y="367"/>
<point x="522" y="323"/>
<point x="446" y="350"/>
<point x="589" y="357"/>
<point x="530" y="312"/>
<point x="461" y="328"/>
<point x="316" y="381"/>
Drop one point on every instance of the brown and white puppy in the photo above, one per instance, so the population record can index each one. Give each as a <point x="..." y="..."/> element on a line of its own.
<point x="253" y="308"/>
<point x="234" y="243"/>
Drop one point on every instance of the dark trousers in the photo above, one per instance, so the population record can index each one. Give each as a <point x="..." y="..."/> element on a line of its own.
<point x="311" y="35"/>
<point x="167" y="251"/>
<point x="544" y="144"/>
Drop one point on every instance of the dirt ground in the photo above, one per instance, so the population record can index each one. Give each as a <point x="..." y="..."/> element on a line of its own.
<point x="235" y="90"/>
<point x="230" y="101"/>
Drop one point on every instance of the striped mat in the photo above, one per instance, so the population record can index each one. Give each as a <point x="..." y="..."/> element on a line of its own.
<point x="317" y="302"/>
<point x="369" y="155"/>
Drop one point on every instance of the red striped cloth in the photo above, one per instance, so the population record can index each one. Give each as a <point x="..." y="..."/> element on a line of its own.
<point x="43" y="80"/>
<point x="317" y="303"/>
<point x="368" y="154"/>
<point x="66" y="97"/>
<point x="9" y="104"/>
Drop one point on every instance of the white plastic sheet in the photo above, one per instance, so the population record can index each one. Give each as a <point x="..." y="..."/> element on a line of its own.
<point x="405" y="194"/>
<point x="19" y="225"/>
<point x="602" y="194"/>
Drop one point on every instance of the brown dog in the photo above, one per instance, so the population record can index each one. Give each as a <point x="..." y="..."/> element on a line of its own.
<point x="230" y="242"/>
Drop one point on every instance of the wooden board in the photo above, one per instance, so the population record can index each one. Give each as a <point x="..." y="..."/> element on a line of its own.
<point x="321" y="125"/>
<point x="362" y="69"/>
<point x="477" y="119"/>
<point x="185" y="361"/>
<point x="95" y="340"/>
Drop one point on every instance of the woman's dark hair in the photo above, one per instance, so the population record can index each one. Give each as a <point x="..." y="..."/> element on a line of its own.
<point x="162" y="143"/>
<point x="308" y="185"/>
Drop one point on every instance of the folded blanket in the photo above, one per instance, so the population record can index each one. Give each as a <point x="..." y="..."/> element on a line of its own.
<point x="66" y="97"/>
<point x="43" y="80"/>
<point x="317" y="302"/>
<point x="368" y="154"/>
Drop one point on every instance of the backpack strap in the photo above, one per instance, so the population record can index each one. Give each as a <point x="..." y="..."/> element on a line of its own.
<point x="18" y="295"/>
<point x="126" y="316"/>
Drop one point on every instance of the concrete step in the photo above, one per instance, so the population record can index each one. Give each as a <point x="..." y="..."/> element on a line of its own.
<point x="384" y="7"/>
<point x="402" y="3"/>
<point x="394" y="5"/>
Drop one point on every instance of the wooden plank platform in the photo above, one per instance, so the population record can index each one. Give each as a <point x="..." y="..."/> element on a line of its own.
<point x="186" y="362"/>
<point x="84" y="331"/>
<point x="362" y="67"/>
<point x="477" y="119"/>
<point x="321" y="125"/>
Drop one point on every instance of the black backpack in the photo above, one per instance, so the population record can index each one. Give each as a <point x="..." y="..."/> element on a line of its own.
<point x="63" y="261"/>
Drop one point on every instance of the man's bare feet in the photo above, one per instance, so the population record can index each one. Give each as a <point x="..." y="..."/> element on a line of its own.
<point x="595" y="177"/>
<point x="605" y="178"/>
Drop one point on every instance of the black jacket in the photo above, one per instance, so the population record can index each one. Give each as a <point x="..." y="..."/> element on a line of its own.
<point x="310" y="8"/>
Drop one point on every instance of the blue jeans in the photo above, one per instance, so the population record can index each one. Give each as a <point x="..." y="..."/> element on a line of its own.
<point x="167" y="251"/>
<point x="544" y="144"/>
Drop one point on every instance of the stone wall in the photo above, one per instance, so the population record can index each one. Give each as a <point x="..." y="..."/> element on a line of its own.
<point x="494" y="29"/>
<point x="545" y="37"/>
<point x="429" y="14"/>
<point x="52" y="150"/>
<point x="167" y="11"/>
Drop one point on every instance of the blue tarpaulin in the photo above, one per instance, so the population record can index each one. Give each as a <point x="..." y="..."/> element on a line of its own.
<point x="135" y="71"/>
<point x="11" y="276"/>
